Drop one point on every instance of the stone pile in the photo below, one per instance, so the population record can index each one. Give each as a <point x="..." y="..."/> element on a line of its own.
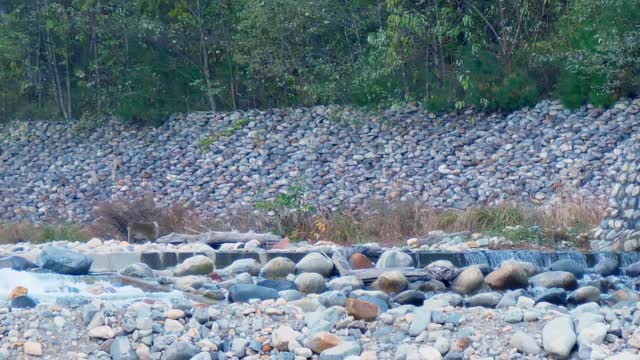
<point x="226" y="162"/>
<point x="304" y="309"/>
<point x="620" y="230"/>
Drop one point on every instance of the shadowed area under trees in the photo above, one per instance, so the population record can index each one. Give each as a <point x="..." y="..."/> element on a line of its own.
<point x="146" y="59"/>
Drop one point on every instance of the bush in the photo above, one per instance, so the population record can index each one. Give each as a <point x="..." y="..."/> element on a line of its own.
<point x="113" y="217"/>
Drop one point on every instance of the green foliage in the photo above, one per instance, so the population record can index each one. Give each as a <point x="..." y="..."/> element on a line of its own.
<point x="598" y="45"/>
<point x="206" y="142"/>
<point x="289" y="210"/>
<point x="519" y="233"/>
<point x="142" y="60"/>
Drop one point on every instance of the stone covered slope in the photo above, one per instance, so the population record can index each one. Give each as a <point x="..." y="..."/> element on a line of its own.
<point x="345" y="158"/>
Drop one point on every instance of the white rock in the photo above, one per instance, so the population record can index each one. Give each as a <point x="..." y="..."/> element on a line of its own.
<point x="558" y="337"/>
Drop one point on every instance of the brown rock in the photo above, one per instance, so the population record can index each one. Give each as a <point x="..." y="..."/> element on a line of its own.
<point x="391" y="282"/>
<point x="18" y="291"/>
<point x="282" y="244"/>
<point x="509" y="276"/>
<point x="468" y="281"/>
<point x="322" y="341"/>
<point x="360" y="261"/>
<point x="460" y="344"/>
<point x="362" y="310"/>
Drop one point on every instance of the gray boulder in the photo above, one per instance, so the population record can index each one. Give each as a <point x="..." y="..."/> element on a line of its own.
<point x="341" y="352"/>
<point x="555" y="279"/>
<point x="65" y="261"/>
<point x="606" y="267"/>
<point x="558" y="337"/>
<point x="196" y="265"/>
<point x="278" y="268"/>
<point x="633" y="270"/>
<point x="394" y="259"/>
<point x="584" y="295"/>
<point x="490" y="299"/>
<point x="315" y="262"/>
<point x="251" y="266"/>
<point x="310" y="283"/>
<point x="139" y="270"/>
<point x="568" y="265"/>
<point x="246" y="292"/>
<point x="121" y="349"/>
<point x="442" y="270"/>
<point x="181" y="350"/>
<point x="468" y="281"/>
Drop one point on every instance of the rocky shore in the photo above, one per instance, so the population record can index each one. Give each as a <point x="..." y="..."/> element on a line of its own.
<point x="220" y="163"/>
<point x="334" y="303"/>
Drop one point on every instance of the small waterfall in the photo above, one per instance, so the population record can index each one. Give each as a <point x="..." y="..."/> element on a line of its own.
<point x="543" y="259"/>
<point x="628" y="258"/>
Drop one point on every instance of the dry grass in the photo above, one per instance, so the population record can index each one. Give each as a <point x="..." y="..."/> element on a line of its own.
<point x="394" y="223"/>
<point x="12" y="233"/>
<point x="384" y="222"/>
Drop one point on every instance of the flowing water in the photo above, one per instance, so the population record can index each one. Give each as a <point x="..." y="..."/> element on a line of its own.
<point x="48" y="287"/>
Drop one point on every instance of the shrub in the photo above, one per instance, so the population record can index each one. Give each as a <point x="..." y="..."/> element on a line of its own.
<point x="113" y="217"/>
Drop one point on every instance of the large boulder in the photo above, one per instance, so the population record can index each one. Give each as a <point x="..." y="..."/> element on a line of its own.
<point x="246" y="292"/>
<point x="249" y="265"/>
<point x="315" y="262"/>
<point x="584" y="295"/>
<point x="394" y="259"/>
<point x="17" y="263"/>
<point x="530" y="268"/>
<point x="23" y="302"/>
<point x="310" y="283"/>
<point x="489" y="299"/>
<point x="345" y="282"/>
<point x="508" y="276"/>
<point x="607" y="266"/>
<point x="278" y="268"/>
<point x="65" y="261"/>
<point x="555" y="279"/>
<point x="139" y="270"/>
<point x="468" y="281"/>
<point x="322" y="341"/>
<point x="360" y="261"/>
<point x="632" y="270"/>
<point x="441" y="270"/>
<point x="391" y="282"/>
<point x="410" y="297"/>
<point x="558" y="337"/>
<point x="568" y="265"/>
<point x="362" y="310"/>
<point x="556" y="296"/>
<point x="196" y="265"/>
